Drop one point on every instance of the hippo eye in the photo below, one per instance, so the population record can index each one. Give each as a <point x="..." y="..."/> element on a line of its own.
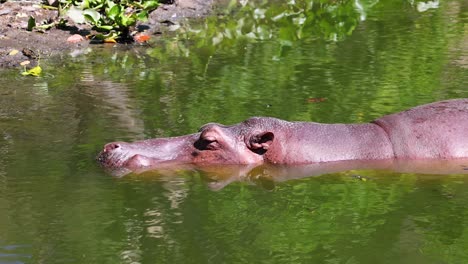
<point x="209" y="143"/>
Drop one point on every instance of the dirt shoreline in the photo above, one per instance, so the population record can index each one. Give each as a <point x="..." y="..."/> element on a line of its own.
<point x="18" y="45"/>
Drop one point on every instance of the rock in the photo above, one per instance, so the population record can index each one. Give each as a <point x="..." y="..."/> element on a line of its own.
<point x="53" y="2"/>
<point x="75" y="38"/>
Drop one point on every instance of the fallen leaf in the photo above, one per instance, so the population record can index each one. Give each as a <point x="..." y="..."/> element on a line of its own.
<point x="13" y="52"/>
<point x="110" y="40"/>
<point x="140" y="38"/>
<point x="36" y="71"/>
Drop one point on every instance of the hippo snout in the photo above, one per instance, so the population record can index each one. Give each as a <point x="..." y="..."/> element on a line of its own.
<point x="113" y="154"/>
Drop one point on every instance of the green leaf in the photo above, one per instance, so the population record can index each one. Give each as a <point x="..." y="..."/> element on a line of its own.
<point x="92" y="15"/>
<point x="150" y="5"/>
<point x="128" y="20"/>
<point x="114" y="12"/>
<point x="110" y="4"/>
<point x="142" y="16"/>
<point x="31" y="23"/>
<point x="105" y="27"/>
<point x="109" y="36"/>
<point x="76" y="15"/>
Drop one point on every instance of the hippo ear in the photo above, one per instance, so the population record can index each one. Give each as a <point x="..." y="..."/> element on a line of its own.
<point x="261" y="142"/>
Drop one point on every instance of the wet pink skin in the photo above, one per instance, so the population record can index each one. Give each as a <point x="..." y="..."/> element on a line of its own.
<point x="433" y="131"/>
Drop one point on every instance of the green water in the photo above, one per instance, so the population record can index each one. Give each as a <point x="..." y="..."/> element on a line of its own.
<point x="366" y="60"/>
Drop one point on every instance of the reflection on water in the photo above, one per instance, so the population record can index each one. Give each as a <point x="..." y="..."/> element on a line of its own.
<point x="114" y="98"/>
<point x="219" y="176"/>
<point x="366" y="58"/>
<point x="14" y="253"/>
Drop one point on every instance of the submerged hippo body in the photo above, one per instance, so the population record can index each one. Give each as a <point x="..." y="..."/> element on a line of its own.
<point x="433" y="131"/>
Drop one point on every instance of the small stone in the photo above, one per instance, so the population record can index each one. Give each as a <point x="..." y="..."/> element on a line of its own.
<point x="53" y="2"/>
<point x="5" y="11"/>
<point x="75" y="38"/>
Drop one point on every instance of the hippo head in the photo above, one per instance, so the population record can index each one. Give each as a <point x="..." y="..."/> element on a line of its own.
<point x="243" y="143"/>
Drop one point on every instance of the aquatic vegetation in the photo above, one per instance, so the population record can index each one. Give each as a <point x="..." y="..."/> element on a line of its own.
<point x="113" y="19"/>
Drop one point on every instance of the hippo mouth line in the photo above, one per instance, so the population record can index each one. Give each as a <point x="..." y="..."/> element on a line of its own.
<point x="117" y="159"/>
<point x="127" y="159"/>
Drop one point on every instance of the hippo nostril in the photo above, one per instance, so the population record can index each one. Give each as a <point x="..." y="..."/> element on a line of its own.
<point x="111" y="146"/>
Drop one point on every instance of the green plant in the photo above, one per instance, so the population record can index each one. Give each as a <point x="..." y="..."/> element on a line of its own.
<point x="112" y="18"/>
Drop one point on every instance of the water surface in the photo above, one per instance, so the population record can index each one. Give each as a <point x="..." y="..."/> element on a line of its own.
<point x="366" y="59"/>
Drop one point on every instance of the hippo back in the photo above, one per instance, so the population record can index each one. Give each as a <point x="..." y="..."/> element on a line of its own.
<point x="433" y="131"/>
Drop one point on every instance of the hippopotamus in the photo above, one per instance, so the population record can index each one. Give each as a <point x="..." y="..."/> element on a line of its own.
<point x="437" y="131"/>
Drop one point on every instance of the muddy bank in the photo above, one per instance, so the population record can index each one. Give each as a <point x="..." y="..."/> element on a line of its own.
<point x="18" y="45"/>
